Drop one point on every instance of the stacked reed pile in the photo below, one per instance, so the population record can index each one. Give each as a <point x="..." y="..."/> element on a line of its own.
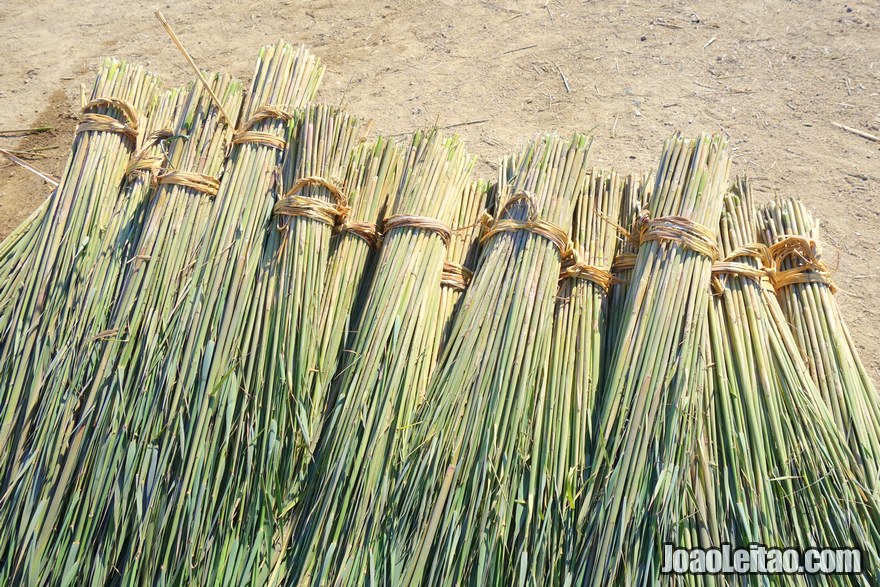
<point x="806" y="294"/>
<point x="458" y="495"/>
<point x="339" y="527"/>
<point x="219" y="365"/>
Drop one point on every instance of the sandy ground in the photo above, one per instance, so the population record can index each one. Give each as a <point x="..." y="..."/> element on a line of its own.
<point x="773" y="75"/>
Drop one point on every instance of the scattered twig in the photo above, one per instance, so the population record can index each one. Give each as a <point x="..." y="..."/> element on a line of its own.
<point x="519" y="49"/>
<point x="663" y="23"/>
<point x="195" y="67"/>
<point x="44" y="176"/>
<point x="858" y="132"/>
<point x="26" y="131"/>
<point x="31" y="152"/>
<point x="460" y="124"/>
<point x="709" y="42"/>
<point x="564" y="79"/>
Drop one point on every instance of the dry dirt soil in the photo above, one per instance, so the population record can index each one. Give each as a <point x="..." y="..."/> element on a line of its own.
<point x="773" y="75"/>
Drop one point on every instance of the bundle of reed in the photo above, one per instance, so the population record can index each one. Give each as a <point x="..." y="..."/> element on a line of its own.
<point x="806" y="293"/>
<point x="749" y="449"/>
<point x="461" y="261"/>
<point x="458" y="498"/>
<point x="67" y="236"/>
<point x="79" y="515"/>
<point x="545" y="533"/>
<point x="785" y="474"/>
<point x="80" y="316"/>
<point x="372" y="178"/>
<point x="260" y="361"/>
<point x="338" y="528"/>
<point x="372" y="174"/>
<point x="644" y="433"/>
<point x="188" y="379"/>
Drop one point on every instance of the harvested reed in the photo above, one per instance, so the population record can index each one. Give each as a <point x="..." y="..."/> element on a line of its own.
<point x="636" y="193"/>
<point x="806" y="294"/>
<point x="92" y="499"/>
<point x="84" y="313"/>
<point x="338" y="529"/>
<point x="461" y="261"/>
<point x="785" y="473"/>
<point x="263" y="361"/>
<point x="651" y="394"/>
<point x="199" y="457"/>
<point x="14" y="254"/>
<point x="546" y="536"/>
<point x="61" y="249"/>
<point x="458" y="500"/>
<point x="372" y="178"/>
<point x="68" y="236"/>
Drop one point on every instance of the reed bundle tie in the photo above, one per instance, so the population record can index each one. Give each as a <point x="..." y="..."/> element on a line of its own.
<point x="246" y="134"/>
<point x="553" y="233"/>
<point x="202" y="183"/>
<point x="293" y="204"/>
<point x="730" y="266"/>
<point x="421" y="222"/>
<point x="365" y="231"/>
<point x="145" y="162"/>
<point x="455" y="276"/>
<point x="624" y="262"/>
<point x="676" y="229"/>
<point x="575" y="269"/>
<point x="679" y="230"/>
<point x="93" y="121"/>
<point x="810" y="269"/>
